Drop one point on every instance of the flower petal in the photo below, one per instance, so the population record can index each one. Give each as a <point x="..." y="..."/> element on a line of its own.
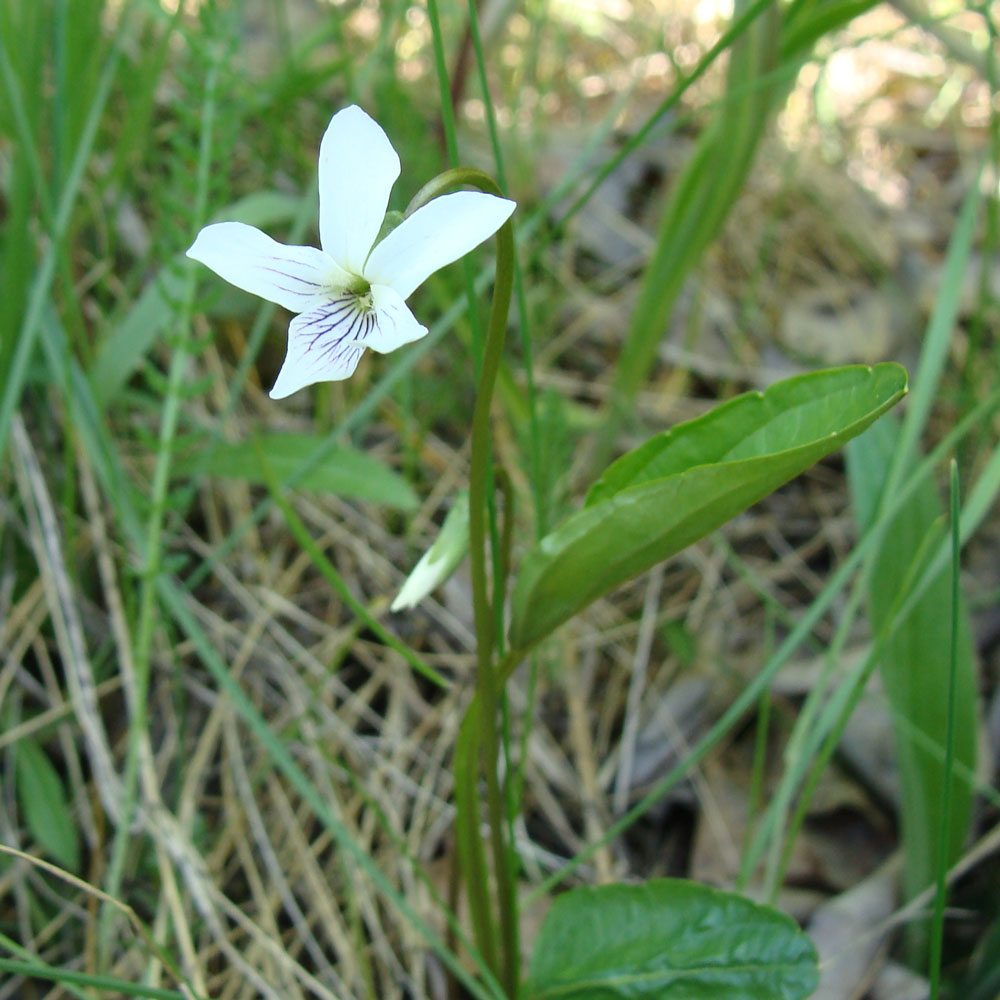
<point x="395" y="325"/>
<point x="297" y="278"/>
<point x="440" y="560"/>
<point x="357" y="168"/>
<point x="324" y="345"/>
<point x="436" y="234"/>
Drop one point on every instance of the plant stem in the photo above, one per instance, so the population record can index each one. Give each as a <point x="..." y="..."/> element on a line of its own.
<point x="489" y="686"/>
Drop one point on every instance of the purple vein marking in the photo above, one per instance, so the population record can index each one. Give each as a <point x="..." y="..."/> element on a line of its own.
<point x="297" y="282"/>
<point x="333" y="336"/>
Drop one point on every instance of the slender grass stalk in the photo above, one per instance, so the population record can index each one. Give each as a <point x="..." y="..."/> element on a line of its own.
<point x="757" y="774"/>
<point x="937" y="928"/>
<point x="471" y="853"/>
<point x="39" y="295"/>
<point x="535" y="456"/>
<point x="502" y="564"/>
<point x="451" y="145"/>
<point x="70" y="978"/>
<point x="152" y="548"/>
<point x="937" y="340"/>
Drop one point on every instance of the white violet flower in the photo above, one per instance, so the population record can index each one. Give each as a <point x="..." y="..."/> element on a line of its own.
<point x="351" y="294"/>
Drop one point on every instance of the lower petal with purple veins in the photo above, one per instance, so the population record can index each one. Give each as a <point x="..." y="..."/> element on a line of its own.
<point x="325" y="344"/>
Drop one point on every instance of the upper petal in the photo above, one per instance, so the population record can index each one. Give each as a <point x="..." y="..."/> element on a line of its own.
<point x="357" y="168"/>
<point x="324" y="345"/>
<point x="295" y="277"/>
<point x="436" y="234"/>
<point x="394" y="324"/>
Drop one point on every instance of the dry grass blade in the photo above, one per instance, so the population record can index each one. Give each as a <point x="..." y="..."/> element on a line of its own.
<point x="46" y="540"/>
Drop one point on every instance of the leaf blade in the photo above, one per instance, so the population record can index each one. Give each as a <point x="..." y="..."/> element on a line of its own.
<point x="669" y="939"/>
<point x="342" y="471"/>
<point x="914" y="664"/>
<point x="45" y="806"/>
<point x="685" y="483"/>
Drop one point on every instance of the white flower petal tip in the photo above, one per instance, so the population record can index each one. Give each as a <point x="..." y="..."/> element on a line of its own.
<point x="350" y="296"/>
<point x="440" y="560"/>
<point x="435" y="235"/>
<point x="357" y="169"/>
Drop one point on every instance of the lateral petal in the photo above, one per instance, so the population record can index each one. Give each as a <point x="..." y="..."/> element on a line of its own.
<point x="436" y="234"/>
<point x="357" y="168"/>
<point x="297" y="278"/>
<point x="324" y="345"/>
<point x="394" y="325"/>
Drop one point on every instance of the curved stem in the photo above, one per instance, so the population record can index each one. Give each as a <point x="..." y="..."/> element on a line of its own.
<point x="486" y="679"/>
<point x="488" y="685"/>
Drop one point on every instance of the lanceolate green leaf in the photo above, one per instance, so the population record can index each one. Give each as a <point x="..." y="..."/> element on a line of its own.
<point x="342" y="471"/>
<point x="915" y="665"/>
<point x="668" y="940"/>
<point x="46" y="810"/>
<point x="686" y="482"/>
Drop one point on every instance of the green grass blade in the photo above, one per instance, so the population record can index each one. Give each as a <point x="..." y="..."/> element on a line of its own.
<point x="16" y="373"/>
<point x="763" y="65"/>
<point x="71" y="978"/>
<point x="937" y="340"/>
<point x="703" y="195"/>
<point x="914" y="663"/>
<point x="942" y="860"/>
<point x="344" y="472"/>
<point x="45" y="806"/>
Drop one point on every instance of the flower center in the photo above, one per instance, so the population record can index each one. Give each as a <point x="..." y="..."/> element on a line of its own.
<point x="360" y="288"/>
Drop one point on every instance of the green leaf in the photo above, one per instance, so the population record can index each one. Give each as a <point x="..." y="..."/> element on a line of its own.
<point x="262" y="209"/>
<point x="341" y="471"/>
<point x="45" y="806"/>
<point x="122" y="352"/>
<point x="686" y="482"/>
<point x="915" y="662"/>
<point x="670" y="940"/>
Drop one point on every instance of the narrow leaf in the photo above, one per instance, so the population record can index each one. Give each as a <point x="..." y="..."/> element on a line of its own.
<point x="123" y="351"/>
<point x="686" y="482"/>
<point x="670" y="940"/>
<point x="44" y="805"/>
<point x="915" y="665"/>
<point x="342" y="471"/>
